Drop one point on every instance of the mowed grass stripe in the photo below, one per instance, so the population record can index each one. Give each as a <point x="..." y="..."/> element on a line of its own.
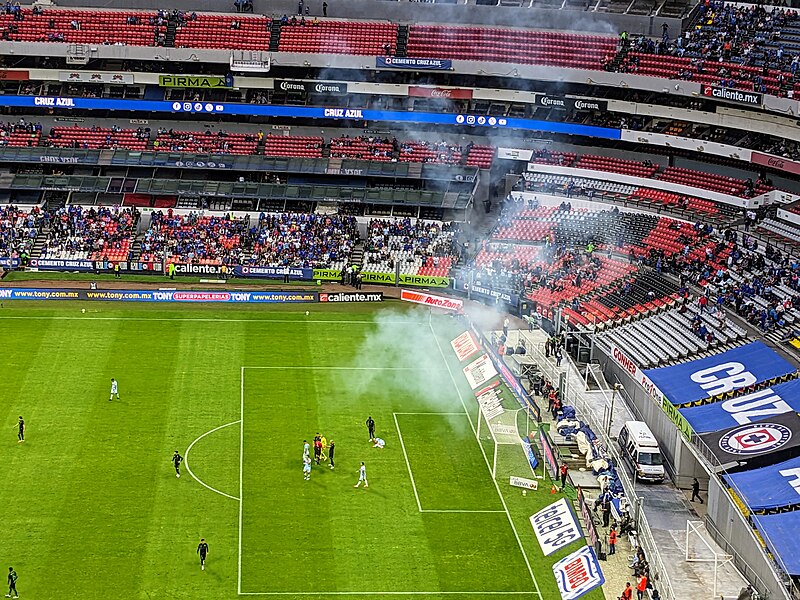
<point x="202" y="391"/>
<point x="449" y="471"/>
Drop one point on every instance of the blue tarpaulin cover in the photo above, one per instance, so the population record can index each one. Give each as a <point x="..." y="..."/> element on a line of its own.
<point x="735" y="369"/>
<point x="751" y="408"/>
<point x="768" y="487"/>
<point x="780" y="534"/>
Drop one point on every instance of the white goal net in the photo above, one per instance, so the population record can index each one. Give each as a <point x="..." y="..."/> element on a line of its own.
<point x="496" y="426"/>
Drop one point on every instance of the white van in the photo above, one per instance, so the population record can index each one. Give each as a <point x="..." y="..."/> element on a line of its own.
<point x="640" y="448"/>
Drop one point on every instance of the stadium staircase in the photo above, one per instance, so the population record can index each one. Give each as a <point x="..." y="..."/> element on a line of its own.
<point x="402" y="41"/>
<point x="172" y="31"/>
<point x="357" y="255"/>
<point x="274" y="35"/>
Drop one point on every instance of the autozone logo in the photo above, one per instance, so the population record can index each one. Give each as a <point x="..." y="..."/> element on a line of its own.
<point x="431" y="300"/>
<point x="732" y="95"/>
<point x="354" y="297"/>
<point x="755" y="439"/>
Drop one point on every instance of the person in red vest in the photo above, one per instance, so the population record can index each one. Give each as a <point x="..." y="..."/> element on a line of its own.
<point x="612" y="541"/>
<point x="641" y="587"/>
<point x="564" y="470"/>
<point x="627" y="593"/>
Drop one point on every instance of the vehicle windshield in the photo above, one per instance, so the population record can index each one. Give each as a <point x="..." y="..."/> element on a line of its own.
<point x="650" y="458"/>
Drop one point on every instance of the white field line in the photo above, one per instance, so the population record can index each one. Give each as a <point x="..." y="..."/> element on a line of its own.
<point x="195" y="477"/>
<point x="241" y="464"/>
<point x="408" y="464"/>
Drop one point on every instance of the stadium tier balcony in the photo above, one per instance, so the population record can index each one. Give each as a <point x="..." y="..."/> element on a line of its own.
<point x="362" y="148"/>
<point x="293" y="146"/>
<point x="20" y="134"/>
<point x="94" y="138"/>
<point x="128" y="28"/>
<point x="545" y="157"/>
<point x="339" y="37"/>
<point x="93" y="233"/>
<point x="206" y="142"/>
<point x="713" y="182"/>
<point x="616" y="165"/>
<point x="224" y="32"/>
<point x="510" y="45"/>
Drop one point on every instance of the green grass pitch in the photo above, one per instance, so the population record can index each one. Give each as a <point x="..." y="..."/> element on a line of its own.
<point x="91" y="507"/>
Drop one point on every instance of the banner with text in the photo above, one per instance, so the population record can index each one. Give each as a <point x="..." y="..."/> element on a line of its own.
<point x="578" y="574"/>
<point x="556" y="526"/>
<point x="196" y="81"/>
<point x="419" y="91"/>
<point x="465" y="345"/>
<point x="272" y="272"/>
<point x="479" y="371"/>
<point x="396" y="62"/>
<point x="431" y="300"/>
<point x="156" y="296"/>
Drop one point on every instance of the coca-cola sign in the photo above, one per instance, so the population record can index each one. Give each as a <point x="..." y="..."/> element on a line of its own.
<point x="419" y="91"/>
<point x="775" y="162"/>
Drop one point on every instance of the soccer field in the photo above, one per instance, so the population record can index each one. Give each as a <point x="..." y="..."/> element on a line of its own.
<point x="92" y="507"/>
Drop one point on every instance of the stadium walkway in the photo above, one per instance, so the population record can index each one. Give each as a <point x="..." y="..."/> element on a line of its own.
<point x="666" y="508"/>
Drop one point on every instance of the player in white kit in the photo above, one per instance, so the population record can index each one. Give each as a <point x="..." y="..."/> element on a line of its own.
<point x="114" y="390"/>
<point x="362" y="476"/>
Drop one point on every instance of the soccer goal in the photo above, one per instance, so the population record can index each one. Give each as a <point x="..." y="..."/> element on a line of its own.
<point x="698" y="549"/>
<point x="497" y="426"/>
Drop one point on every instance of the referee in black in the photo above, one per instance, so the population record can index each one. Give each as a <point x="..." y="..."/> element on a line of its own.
<point x="371" y="428"/>
<point x="202" y="550"/>
<point x="331" y="449"/>
<point x="12" y="583"/>
<point x="21" y="432"/>
<point x="177" y="459"/>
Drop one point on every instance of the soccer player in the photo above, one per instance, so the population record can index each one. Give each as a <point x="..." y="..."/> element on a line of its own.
<point x="306" y="467"/>
<point x="177" y="459"/>
<point x="371" y="428"/>
<point x="114" y="391"/>
<point x="362" y="476"/>
<point x="306" y="448"/>
<point x="324" y="446"/>
<point x="21" y="431"/>
<point x="12" y="583"/>
<point x="202" y="550"/>
<point x="330" y="453"/>
<point x="317" y="447"/>
<point x="379" y="443"/>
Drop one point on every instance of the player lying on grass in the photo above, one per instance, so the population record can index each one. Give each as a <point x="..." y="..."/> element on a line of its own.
<point x="378" y="443"/>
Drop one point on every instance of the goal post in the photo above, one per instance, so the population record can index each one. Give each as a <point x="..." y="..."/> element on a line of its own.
<point x="488" y="441"/>
<point x="496" y="429"/>
<point x="698" y="549"/>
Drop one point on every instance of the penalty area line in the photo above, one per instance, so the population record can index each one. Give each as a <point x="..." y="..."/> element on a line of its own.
<point x="195" y="477"/>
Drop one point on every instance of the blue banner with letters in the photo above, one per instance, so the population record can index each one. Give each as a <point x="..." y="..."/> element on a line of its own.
<point x="530" y="454"/>
<point x="265" y="110"/>
<point x="272" y="272"/>
<point x="735" y="369"/>
<point x="769" y="487"/>
<point x="780" y="534"/>
<point x="60" y="264"/>
<point x="9" y="263"/>
<point x="409" y="62"/>
<point x="750" y="408"/>
<point x="190" y="296"/>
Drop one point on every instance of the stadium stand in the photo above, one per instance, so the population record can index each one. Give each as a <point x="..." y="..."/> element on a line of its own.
<point x="93" y="233"/>
<point x="413" y="248"/>
<point x="302" y="240"/>
<point x="18" y="230"/>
